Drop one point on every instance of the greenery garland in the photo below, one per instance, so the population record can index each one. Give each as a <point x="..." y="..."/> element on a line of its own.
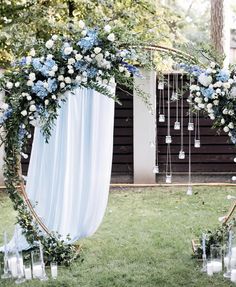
<point x="35" y="88"/>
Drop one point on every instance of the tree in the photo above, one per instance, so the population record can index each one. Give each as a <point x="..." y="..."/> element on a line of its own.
<point x="217" y="24"/>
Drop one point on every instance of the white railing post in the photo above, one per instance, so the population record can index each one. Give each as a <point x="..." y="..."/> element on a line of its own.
<point x="144" y="137"/>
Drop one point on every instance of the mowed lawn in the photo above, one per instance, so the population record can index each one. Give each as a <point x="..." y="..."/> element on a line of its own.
<point x="145" y="239"/>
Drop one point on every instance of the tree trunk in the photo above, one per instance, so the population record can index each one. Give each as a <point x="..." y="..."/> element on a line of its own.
<point x="217" y="24"/>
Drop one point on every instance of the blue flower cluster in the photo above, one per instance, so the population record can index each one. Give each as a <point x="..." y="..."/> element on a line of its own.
<point x="6" y="115"/>
<point x="40" y="90"/>
<point x="89" y="41"/>
<point x="194" y="70"/>
<point x="45" y="67"/>
<point x="81" y="65"/>
<point x="132" y="69"/>
<point x="222" y="76"/>
<point x="207" y="92"/>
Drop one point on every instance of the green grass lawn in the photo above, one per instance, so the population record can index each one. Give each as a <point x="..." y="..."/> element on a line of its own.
<point x="144" y="239"/>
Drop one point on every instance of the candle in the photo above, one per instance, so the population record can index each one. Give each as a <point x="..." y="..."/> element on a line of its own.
<point x="217" y="266"/>
<point x="28" y="273"/>
<point x="54" y="270"/>
<point x="37" y="271"/>
<point x="209" y="269"/>
<point x="233" y="275"/>
<point x="12" y="263"/>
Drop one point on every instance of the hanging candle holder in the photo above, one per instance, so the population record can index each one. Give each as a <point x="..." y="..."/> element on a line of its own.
<point x="161" y="85"/>
<point x="190" y="126"/>
<point x="181" y="154"/>
<point x="168" y="139"/>
<point x="6" y="271"/>
<point x="197" y="142"/>
<point x="168" y="178"/>
<point x="161" y="112"/>
<point x="189" y="190"/>
<point x="177" y="125"/>
<point x="156" y="169"/>
<point x="161" y="118"/>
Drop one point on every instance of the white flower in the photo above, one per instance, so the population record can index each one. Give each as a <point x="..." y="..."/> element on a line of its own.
<point x="68" y="50"/>
<point x="121" y="69"/>
<point x="68" y="80"/>
<point x="123" y="54"/>
<point x="32" y="77"/>
<point x="32" y="108"/>
<point x="198" y="94"/>
<point x="88" y="59"/>
<point x="9" y="85"/>
<point x="46" y="102"/>
<point x="111" y="37"/>
<point x="51" y="73"/>
<point x="205" y="80"/>
<point x="28" y="60"/>
<point x="198" y="100"/>
<point x="212" y="65"/>
<point x="206" y="99"/>
<point x="81" y="24"/>
<point x="17" y="84"/>
<point x="216" y="102"/>
<point x="231" y="81"/>
<point x="217" y="84"/>
<point x="54" y="37"/>
<point x="231" y="125"/>
<point x="54" y="97"/>
<point x="49" y="44"/>
<point x="60" y="78"/>
<point x="78" y="57"/>
<point x="24" y="113"/>
<point x="62" y="85"/>
<point x="208" y="70"/>
<point x="32" y="52"/>
<point x="209" y="106"/>
<point x="92" y="55"/>
<point x="107" y="54"/>
<point x="4" y="106"/>
<point x="226" y="129"/>
<point x="233" y="92"/>
<point x="78" y="79"/>
<point x="225" y="111"/>
<point x="99" y="57"/>
<point x="84" y="79"/>
<point x="212" y="116"/>
<point x="231" y="112"/>
<point x="84" y="33"/>
<point x="30" y="83"/>
<point x="71" y="71"/>
<point x="29" y="98"/>
<point x="222" y="121"/>
<point x="84" y="74"/>
<point x="201" y="106"/>
<point x="49" y="57"/>
<point x="127" y="74"/>
<point x="97" y="50"/>
<point x="54" y="68"/>
<point x="71" y="61"/>
<point x="107" y="28"/>
<point x="218" y="91"/>
<point x="226" y="85"/>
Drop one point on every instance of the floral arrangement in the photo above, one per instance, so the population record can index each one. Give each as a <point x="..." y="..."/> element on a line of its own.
<point x="213" y="90"/>
<point x="34" y="89"/>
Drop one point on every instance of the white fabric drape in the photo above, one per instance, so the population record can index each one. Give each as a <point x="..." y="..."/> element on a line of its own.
<point x="69" y="177"/>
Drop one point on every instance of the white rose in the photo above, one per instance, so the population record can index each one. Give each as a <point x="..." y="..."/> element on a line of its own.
<point x="218" y="91"/>
<point x="107" y="28"/>
<point x="84" y="79"/>
<point x="84" y="74"/>
<point x="209" y="106"/>
<point x="99" y="57"/>
<point x="68" y="80"/>
<point x="231" y="125"/>
<point x="46" y="102"/>
<point x="212" y="116"/>
<point x="231" y="112"/>
<point x="84" y="33"/>
<point x="62" y="85"/>
<point x="29" y="98"/>
<point x="127" y="74"/>
<point x="222" y="121"/>
<point x="17" y="84"/>
<point x="198" y="94"/>
<point x="32" y="108"/>
<point x="216" y="102"/>
<point x="49" y="57"/>
<point x="93" y="55"/>
<point x="71" y="61"/>
<point x="60" y="78"/>
<point x="24" y="113"/>
<point x="78" y="79"/>
<point x="32" y="77"/>
<point x="81" y="24"/>
<point x="226" y="129"/>
<point x="30" y="83"/>
<point x="4" y="106"/>
<point x="97" y="50"/>
<point x="213" y="65"/>
<point x="202" y="106"/>
<point x="206" y="99"/>
<point x="205" y="80"/>
<point x="225" y="112"/>
<point x="51" y="73"/>
<point x="71" y="71"/>
<point x="32" y="52"/>
<point x="9" y="85"/>
<point x="28" y="60"/>
<point x="54" y="37"/>
<point x="121" y="69"/>
<point x="111" y="37"/>
<point x="54" y="68"/>
<point x="68" y="50"/>
<point x="49" y="44"/>
<point x="54" y="97"/>
<point x="78" y="57"/>
<point x="226" y="85"/>
<point x="233" y="92"/>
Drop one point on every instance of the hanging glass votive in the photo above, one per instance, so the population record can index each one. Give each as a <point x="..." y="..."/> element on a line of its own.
<point x="155" y="169"/>
<point x="161" y="86"/>
<point x="168" y="139"/>
<point x="161" y="118"/>
<point x="177" y="125"/>
<point x="189" y="190"/>
<point x="197" y="143"/>
<point x="174" y="96"/>
<point x="168" y="178"/>
<point x="190" y="126"/>
<point x="181" y="154"/>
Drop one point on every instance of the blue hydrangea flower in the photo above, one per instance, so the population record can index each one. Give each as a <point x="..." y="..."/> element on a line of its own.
<point x="132" y="69"/>
<point x="40" y="90"/>
<point x="52" y="85"/>
<point x="37" y="64"/>
<point x="6" y="115"/>
<point x="222" y="76"/>
<point x="194" y="70"/>
<point x="47" y="67"/>
<point x="207" y="92"/>
<point x="81" y="66"/>
<point x="89" y="41"/>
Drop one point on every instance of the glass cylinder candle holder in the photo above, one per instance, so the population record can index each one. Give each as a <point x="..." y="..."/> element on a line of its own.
<point x="161" y="86"/>
<point x="15" y="264"/>
<point x="190" y="126"/>
<point x="177" y="125"/>
<point x="168" y="178"/>
<point x="6" y="271"/>
<point x="233" y="276"/>
<point x="54" y="270"/>
<point x="28" y="271"/>
<point x="161" y="118"/>
<point x="197" y="143"/>
<point x="181" y="154"/>
<point x="189" y="190"/>
<point x="216" y="258"/>
<point x="168" y="139"/>
<point x="155" y="169"/>
<point x="209" y="268"/>
<point x="37" y="265"/>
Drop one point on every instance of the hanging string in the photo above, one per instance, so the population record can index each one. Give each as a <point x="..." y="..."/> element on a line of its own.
<point x="190" y="128"/>
<point x="161" y="108"/>
<point x="177" y="123"/>
<point x="168" y="165"/>
<point x="168" y="137"/>
<point x="197" y="142"/>
<point x="190" y="120"/>
<point x="182" y="153"/>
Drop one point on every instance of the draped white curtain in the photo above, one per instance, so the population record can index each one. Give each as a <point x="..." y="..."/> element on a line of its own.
<point x="69" y="177"/>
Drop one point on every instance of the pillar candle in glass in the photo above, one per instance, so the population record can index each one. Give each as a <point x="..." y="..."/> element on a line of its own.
<point x="54" y="270"/>
<point x="216" y="258"/>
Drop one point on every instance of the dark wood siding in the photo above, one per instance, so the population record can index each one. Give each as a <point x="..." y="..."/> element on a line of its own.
<point x="215" y="155"/>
